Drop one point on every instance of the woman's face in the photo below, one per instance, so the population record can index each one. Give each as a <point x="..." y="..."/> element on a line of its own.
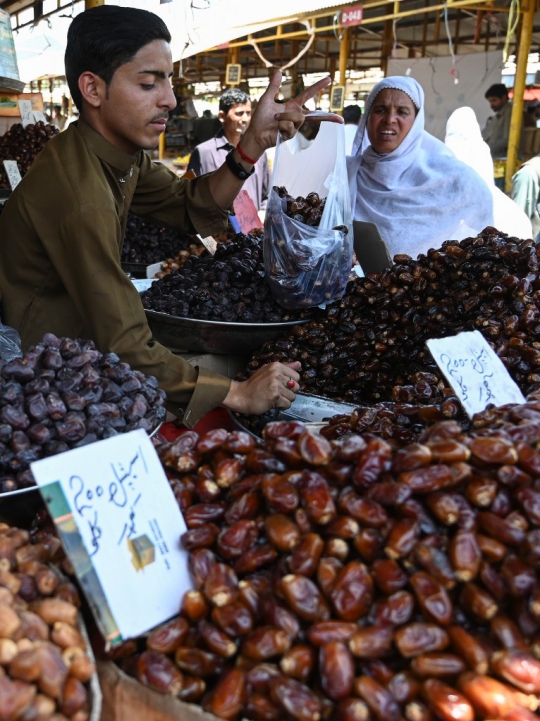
<point x="390" y="119"/>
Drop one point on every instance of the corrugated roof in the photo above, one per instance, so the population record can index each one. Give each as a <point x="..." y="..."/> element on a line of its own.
<point x="214" y="22"/>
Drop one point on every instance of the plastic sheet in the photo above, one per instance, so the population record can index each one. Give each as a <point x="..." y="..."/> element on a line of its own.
<point x="309" y="266"/>
<point x="10" y="343"/>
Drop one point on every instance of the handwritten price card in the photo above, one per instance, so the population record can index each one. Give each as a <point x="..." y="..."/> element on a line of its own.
<point x="27" y="114"/>
<point x="13" y="173"/>
<point x="246" y="212"/>
<point x="209" y="243"/>
<point x="475" y="372"/>
<point x="120" y="525"/>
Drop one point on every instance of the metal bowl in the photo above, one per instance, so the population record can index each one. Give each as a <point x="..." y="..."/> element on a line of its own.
<point x="136" y="270"/>
<point x="18" y="508"/>
<point x="188" y="335"/>
<point x="309" y="409"/>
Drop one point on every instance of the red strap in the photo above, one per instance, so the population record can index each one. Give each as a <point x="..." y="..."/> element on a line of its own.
<point x="244" y="156"/>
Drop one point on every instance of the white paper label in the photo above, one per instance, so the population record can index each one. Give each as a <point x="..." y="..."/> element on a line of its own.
<point x="121" y="525"/>
<point x="39" y="117"/>
<point x="27" y="114"/>
<point x="475" y="372"/>
<point x="13" y="173"/>
<point x="209" y="243"/>
<point x="152" y="270"/>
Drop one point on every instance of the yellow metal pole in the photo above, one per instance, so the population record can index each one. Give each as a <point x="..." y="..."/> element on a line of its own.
<point x="343" y="55"/>
<point x="88" y="4"/>
<point x="527" y="8"/>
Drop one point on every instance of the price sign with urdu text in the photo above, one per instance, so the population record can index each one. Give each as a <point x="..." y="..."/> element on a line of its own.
<point x="13" y="173"/>
<point x="121" y="525"/>
<point x="27" y="114"/>
<point x="475" y="372"/>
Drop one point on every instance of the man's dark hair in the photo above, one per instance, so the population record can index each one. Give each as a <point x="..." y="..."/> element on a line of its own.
<point x="352" y="114"/>
<point x="102" y="39"/>
<point x="499" y="90"/>
<point x="232" y="97"/>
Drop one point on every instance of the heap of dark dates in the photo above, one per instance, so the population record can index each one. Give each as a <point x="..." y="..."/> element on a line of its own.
<point x="228" y="286"/>
<point x="369" y="346"/>
<point x="23" y="145"/>
<point x="172" y="264"/>
<point x="62" y="394"/>
<point x="346" y="580"/>
<point x="306" y="210"/>
<point x="148" y="243"/>
<point x="45" y="669"/>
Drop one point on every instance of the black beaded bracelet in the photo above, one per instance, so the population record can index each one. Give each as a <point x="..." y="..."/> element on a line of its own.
<point x="236" y="168"/>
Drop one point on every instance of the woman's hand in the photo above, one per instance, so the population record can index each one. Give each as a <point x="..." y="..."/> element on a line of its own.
<point x="271" y="117"/>
<point x="272" y="386"/>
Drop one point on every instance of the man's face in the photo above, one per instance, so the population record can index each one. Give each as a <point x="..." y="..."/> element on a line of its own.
<point x="236" y="121"/>
<point x="497" y="103"/>
<point x="134" y="111"/>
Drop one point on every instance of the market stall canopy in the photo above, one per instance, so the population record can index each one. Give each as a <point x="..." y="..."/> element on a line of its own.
<point x="40" y="50"/>
<point x="216" y="22"/>
<point x="40" y="47"/>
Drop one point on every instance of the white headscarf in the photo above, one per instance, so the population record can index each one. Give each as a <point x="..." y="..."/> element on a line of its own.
<point x="464" y="138"/>
<point x="419" y="194"/>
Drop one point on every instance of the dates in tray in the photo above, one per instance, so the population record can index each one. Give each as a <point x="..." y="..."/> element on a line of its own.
<point x="45" y="669"/>
<point x="369" y="347"/>
<point x="229" y="286"/>
<point x="23" y="145"/>
<point x="62" y="394"/>
<point x="347" y="580"/>
<point x="147" y="243"/>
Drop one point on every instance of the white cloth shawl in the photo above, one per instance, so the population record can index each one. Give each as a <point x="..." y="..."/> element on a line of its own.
<point x="419" y="195"/>
<point x="464" y="138"/>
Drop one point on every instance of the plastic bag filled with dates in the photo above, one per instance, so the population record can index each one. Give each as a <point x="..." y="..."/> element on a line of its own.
<point x="308" y="242"/>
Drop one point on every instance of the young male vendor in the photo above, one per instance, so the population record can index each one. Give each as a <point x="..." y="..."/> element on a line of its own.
<point x="62" y="230"/>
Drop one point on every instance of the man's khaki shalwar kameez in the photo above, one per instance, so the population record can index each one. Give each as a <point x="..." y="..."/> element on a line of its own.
<point x="61" y="235"/>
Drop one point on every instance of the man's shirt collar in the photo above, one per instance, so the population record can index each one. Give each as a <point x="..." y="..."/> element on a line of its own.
<point x="106" y="151"/>
<point x="221" y="141"/>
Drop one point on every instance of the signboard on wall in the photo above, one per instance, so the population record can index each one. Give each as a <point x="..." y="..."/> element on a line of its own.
<point x="9" y="103"/>
<point x="8" y="58"/>
<point x="233" y="74"/>
<point x="352" y="16"/>
<point x="337" y="98"/>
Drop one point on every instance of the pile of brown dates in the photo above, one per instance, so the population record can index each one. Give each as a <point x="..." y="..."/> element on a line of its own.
<point x="306" y="210"/>
<point x="344" y="580"/>
<point x="228" y="286"/>
<point x="369" y="346"/>
<point x="23" y="145"/>
<point x="146" y="242"/>
<point x="171" y="264"/>
<point x="398" y="423"/>
<point x="44" y="666"/>
<point x="62" y="394"/>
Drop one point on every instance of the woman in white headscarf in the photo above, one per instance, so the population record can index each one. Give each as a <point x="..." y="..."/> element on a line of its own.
<point x="408" y="182"/>
<point x="464" y="138"/>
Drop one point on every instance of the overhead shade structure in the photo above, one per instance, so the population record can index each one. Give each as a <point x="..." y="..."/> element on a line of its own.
<point x="40" y="49"/>
<point x="216" y="22"/>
